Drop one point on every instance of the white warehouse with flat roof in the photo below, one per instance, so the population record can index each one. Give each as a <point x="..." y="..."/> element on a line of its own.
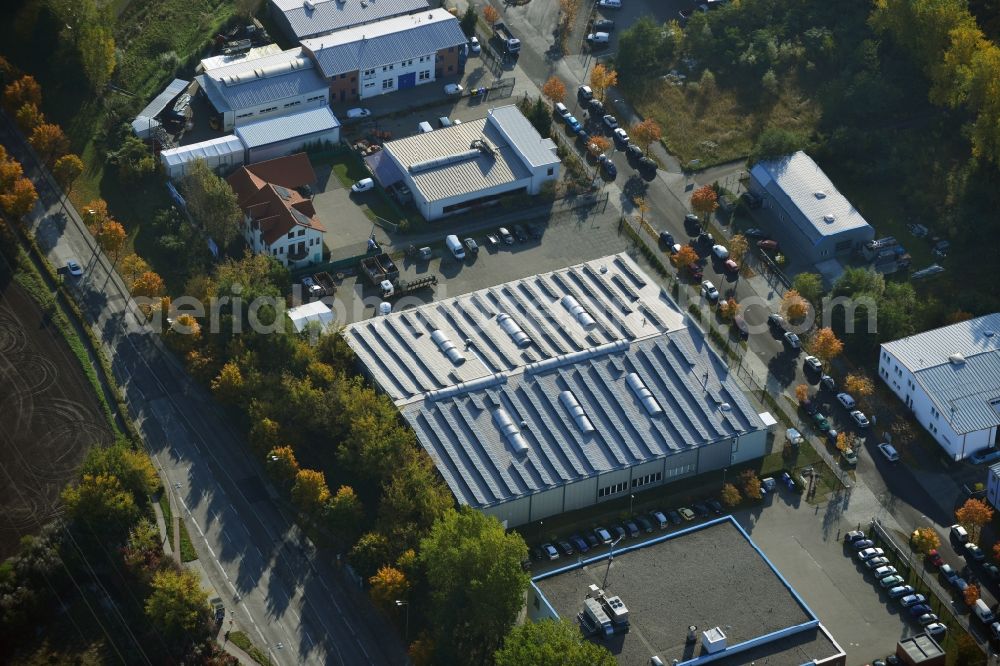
<point x="559" y="391"/>
<point x="950" y="379"/>
<point x="475" y="164"/>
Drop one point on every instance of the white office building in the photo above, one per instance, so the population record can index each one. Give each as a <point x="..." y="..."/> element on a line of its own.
<point x="950" y="379"/>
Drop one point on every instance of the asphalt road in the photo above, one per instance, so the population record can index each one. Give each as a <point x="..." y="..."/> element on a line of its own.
<point x="275" y="585"/>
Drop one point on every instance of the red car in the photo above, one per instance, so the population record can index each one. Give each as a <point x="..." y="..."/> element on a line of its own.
<point x="768" y="246"/>
<point x="731" y="266"/>
<point x="935" y="558"/>
<point x="694" y="270"/>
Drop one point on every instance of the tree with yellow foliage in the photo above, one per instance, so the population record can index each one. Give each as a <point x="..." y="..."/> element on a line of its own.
<point x="602" y="78"/>
<point x="387" y="585"/>
<point x="645" y="132"/>
<point x="705" y="201"/>
<point x="309" y="492"/>
<point x="66" y="170"/>
<point x="282" y="465"/>
<point x="825" y="345"/>
<point x="793" y="306"/>
<point x="49" y="142"/>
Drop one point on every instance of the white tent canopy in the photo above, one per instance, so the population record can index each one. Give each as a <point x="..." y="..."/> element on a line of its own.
<point x="225" y="151"/>
<point x="316" y="311"/>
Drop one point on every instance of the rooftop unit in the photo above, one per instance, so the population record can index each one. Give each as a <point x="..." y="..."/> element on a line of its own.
<point x="713" y="640"/>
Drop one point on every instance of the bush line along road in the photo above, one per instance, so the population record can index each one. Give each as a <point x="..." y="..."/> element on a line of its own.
<point x="256" y="557"/>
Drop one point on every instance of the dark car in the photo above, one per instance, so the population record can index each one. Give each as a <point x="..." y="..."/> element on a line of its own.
<point x="505" y="235"/>
<point x="592" y="539"/>
<point x="919" y="609"/>
<point x="565" y="547"/>
<point x="647" y="165"/>
<point x="691" y="222"/>
<point x="604" y="25"/>
<point x="853" y="536"/>
<point x="701" y="509"/>
<point x="705" y="239"/>
<point x="583" y="136"/>
<point x="808" y="406"/>
<point x="861" y="544"/>
<point x="471" y="245"/>
<point x="520" y="233"/>
<point x="535" y="231"/>
<point x="666" y="238"/>
<point x="715" y="505"/>
<point x="618" y="532"/>
<point x="754" y="233"/>
<point x="675" y="518"/>
<point x="596" y="109"/>
<point x="632" y="528"/>
<point x="633" y="153"/>
<point x="609" y="167"/>
<point x="644" y="524"/>
<point x="536" y="553"/>
<point x="579" y="543"/>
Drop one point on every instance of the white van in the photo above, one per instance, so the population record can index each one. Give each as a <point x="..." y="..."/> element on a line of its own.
<point x="958" y="534"/>
<point x="425" y="127"/>
<point x="455" y="246"/>
<point x="983" y="612"/>
<point x="598" y="38"/>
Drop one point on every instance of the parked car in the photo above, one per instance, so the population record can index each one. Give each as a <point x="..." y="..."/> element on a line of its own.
<point x="598" y="39"/>
<point x="859" y="418"/>
<point x="453" y="89"/>
<point x="610" y="122"/>
<point x="776" y="322"/>
<point x="864" y="544"/>
<point x="974" y="553"/>
<point x="846" y="400"/>
<point x="596" y="109"/>
<point x="884" y="571"/>
<point x="715" y="505"/>
<point x="985" y="456"/>
<point x="947" y="572"/>
<point x="666" y="238"/>
<point x="700" y="509"/>
<point x="471" y="245"/>
<point x="889" y="451"/>
<point x="770" y="246"/>
<point x="581" y="545"/>
<point x="936" y="630"/>
<point x="505" y="236"/>
<point x="792" y="340"/>
<point x="821" y="422"/>
<point x="561" y="110"/>
<point x="621" y="137"/>
<point x="934" y="558"/>
<point x="565" y="547"/>
<point x="869" y="553"/>
<point x="919" y="609"/>
<point x="74" y="268"/>
<point x="359" y="112"/>
<point x="730" y="266"/>
<point x="876" y="562"/>
<point x="573" y="124"/>
<point x="720" y="252"/>
<point x="592" y="539"/>
<point x="609" y="167"/>
<point x="912" y="600"/>
<point x="631" y="528"/>
<point x="474" y="47"/>
<point x="850" y="457"/>
<point x="550" y="551"/>
<point x="900" y="592"/>
<point x="363" y="185"/>
<point x="890" y="581"/>
<point x="927" y="618"/>
<point x="609" y="4"/>
<point x="617" y="532"/>
<point x="660" y="519"/>
<point x="809" y="406"/>
<point x="709" y="291"/>
<point x="633" y="153"/>
<point x="675" y="517"/>
<point x="826" y="381"/>
<point x="644" y="523"/>
<point x="584" y="93"/>
<point x="853" y="536"/>
<point x="604" y="25"/>
<point x="813" y="363"/>
<point x="686" y="513"/>
<point x="520" y="233"/>
<point x="755" y="233"/>
<point x="647" y="166"/>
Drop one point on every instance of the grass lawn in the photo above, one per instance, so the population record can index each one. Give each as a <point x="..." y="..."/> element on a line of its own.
<point x="717" y="127"/>
<point x="188" y="553"/>
<point x="242" y="641"/>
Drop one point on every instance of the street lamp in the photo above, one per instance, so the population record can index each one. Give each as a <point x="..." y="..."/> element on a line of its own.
<point x="406" y="634"/>
<point x="631" y="498"/>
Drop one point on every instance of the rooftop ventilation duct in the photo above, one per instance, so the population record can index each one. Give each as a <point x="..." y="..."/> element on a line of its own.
<point x="510" y="431"/>
<point x="819" y="194"/>
<point x="444" y="160"/>
<point x="988" y="334"/>
<point x="447" y="347"/>
<point x="638" y="387"/>
<point x="572" y="406"/>
<point x="957" y="359"/>
<point x="829" y="218"/>
<point x="511" y="328"/>
<point x="713" y="640"/>
<point x="578" y="311"/>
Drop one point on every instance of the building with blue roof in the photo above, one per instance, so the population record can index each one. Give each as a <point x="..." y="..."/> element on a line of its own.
<point x="283" y="135"/>
<point x="302" y="19"/>
<point x="950" y="379"/>
<point x="561" y="390"/>
<point x="814" y="217"/>
<point x="244" y="89"/>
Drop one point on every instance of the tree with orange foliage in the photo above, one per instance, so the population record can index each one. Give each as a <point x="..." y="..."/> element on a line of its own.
<point x="996" y="551"/>
<point x="728" y="309"/>
<point x="825" y="345"/>
<point x="705" y="201"/>
<point x="49" y="142"/>
<point x="490" y="15"/>
<point x="971" y="595"/>
<point x="148" y="284"/>
<point x="554" y="89"/>
<point x="66" y="170"/>
<point x="19" y="199"/>
<point x="924" y="540"/>
<point x="738" y="246"/>
<point x="685" y="257"/>
<point x="793" y="306"/>
<point x="802" y="392"/>
<point x="111" y="237"/>
<point x="387" y="585"/>
<point x="23" y="91"/>
<point x="645" y="133"/>
<point x="282" y="465"/>
<point x="972" y="516"/>
<point x="751" y="484"/>
<point x="731" y="495"/>
<point x="598" y="144"/>
<point x="132" y="267"/>
<point x="602" y="78"/>
<point x="29" y="117"/>
<point x="309" y="492"/>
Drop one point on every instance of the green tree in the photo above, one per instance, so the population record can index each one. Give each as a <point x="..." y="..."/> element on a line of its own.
<point x="775" y="142"/>
<point x="282" y="465"/>
<point x="309" y="492"/>
<point x="468" y="22"/>
<point x="100" y="505"/>
<point x="143" y="552"/>
<point x="810" y="287"/>
<point x="66" y="170"/>
<point x="412" y="499"/>
<point x="134" y="160"/>
<point x="97" y="52"/>
<point x="344" y="511"/>
<point x="132" y="468"/>
<point x="212" y="203"/>
<point x="473" y="569"/>
<point x="371" y="552"/>
<point x="551" y="643"/>
<point x="177" y="605"/>
<point x="857" y="281"/>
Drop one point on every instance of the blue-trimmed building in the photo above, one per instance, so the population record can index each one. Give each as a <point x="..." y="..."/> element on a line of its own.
<point x="711" y="577"/>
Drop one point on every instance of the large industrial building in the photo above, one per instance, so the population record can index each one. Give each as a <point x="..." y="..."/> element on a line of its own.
<point x="815" y="218"/>
<point x="702" y="595"/>
<point x="261" y="84"/>
<point x="475" y="164"/>
<point x="395" y="54"/>
<point x="560" y="390"/>
<point x="301" y="19"/>
<point x="950" y="379"/>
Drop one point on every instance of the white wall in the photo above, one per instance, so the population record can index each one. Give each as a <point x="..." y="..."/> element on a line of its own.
<point x="296" y="145"/>
<point x="371" y="83"/>
<point x="281" y="248"/>
<point x="312" y="99"/>
<point x="750" y="446"/>
<point x="993" y="488"/>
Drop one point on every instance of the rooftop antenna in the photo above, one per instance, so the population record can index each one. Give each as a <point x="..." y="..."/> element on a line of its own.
<point x="610" y="559"/>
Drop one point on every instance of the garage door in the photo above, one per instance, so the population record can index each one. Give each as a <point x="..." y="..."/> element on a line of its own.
<point x="407" y="81"/>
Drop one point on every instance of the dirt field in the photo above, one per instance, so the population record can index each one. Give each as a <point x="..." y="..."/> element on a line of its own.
<point x="49" y="416"/>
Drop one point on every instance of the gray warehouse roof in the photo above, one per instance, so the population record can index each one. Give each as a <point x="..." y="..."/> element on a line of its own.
<point x="310" y="18"/>
<point x="445" y="163"/>
<point x="255" y="81"/>
<point x="959" y="368"/>
<point x="796" y="181"/>
<point x="708" y="576"/>
<point x="554" y="378"/>
<point x="386" y="42"/>
<point x="145" y="119"/>
<point x="281" y="128"/>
